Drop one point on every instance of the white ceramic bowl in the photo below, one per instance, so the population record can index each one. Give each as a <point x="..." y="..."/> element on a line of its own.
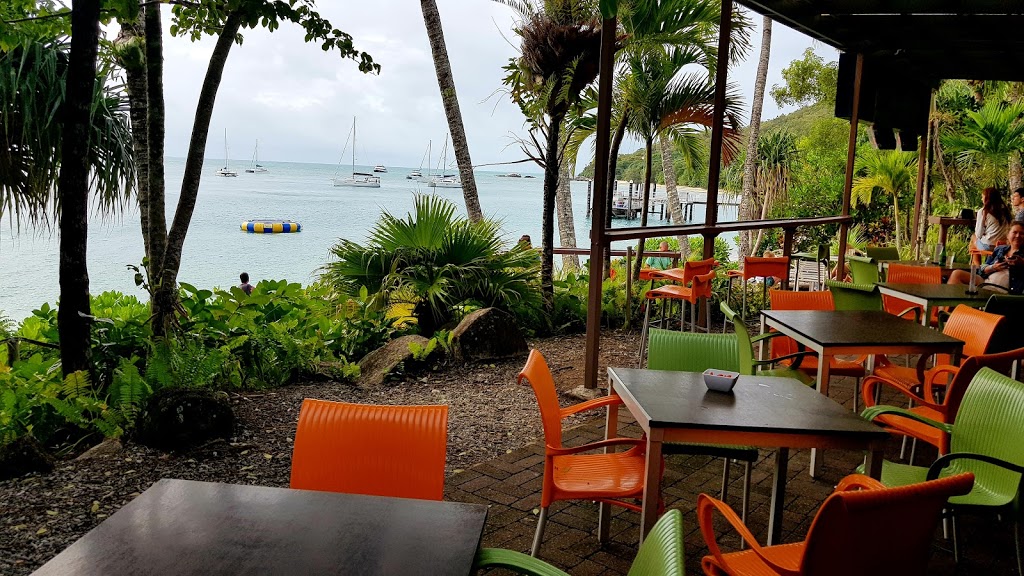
<point x="720" y="380"/>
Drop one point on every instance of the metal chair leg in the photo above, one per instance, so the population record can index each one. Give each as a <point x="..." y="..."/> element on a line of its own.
<point x="728" y="300"/>
<point x="796" y="277"/>
<point x="1016" y="545"/>
<point x="743" y="307"/>
<point x="747" y="466"/>
<point x="539" y="534"/>
<point x="956" y="539"/>
<point x="707" y="302"/>
<point x="643" y="335"/>
<point x="856" y="393"/>
<point x="913" y="450"/>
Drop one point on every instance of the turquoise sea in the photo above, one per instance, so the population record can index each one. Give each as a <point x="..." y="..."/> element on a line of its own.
<point x="216" y="250"/>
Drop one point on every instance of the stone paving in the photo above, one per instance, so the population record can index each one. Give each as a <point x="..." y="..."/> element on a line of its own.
<point x="511" y="486"/>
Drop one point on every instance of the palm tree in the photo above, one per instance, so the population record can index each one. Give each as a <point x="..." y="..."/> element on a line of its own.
<point x="432" y="20"/>
<point x="432" y="261"/>
<point x="753" y="134"/>
<point x="987" y="138"/>
<point x="776" y="154"/>
<point x="888" y="172"/>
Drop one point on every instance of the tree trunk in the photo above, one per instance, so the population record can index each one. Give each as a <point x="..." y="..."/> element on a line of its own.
<point x="136" y="86"/>
<point x="1015" y="171"/>
<point x="563" y="208"/>
<point x="940" y="162"/>
<point x="156" y="235"/>
<point x="547" y="219"/>
<point x="166" y="293"/>
<point x="754" y="131"/>
<point x="73" y="187"/>
<point x="896" y="219"/>
<point x="613" y="160"/>
<point x="638" y="263"/>
<point x="432" y="20"/>
<point x="672" y="194"/>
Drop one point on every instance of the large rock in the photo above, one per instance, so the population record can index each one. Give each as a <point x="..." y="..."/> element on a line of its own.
<point x="488" y="334"/>
<point x="22" y="456"/>
<point x="109" y="447"/>
<point x="376" y="366"/>
<point x="180" y="418"/>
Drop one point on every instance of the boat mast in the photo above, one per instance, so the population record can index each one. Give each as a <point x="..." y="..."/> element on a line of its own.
<point x="225" y="148"/>
<point x="353" y="145"/>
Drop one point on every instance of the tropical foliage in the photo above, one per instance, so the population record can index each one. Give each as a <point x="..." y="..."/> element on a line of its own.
<point x="433" y="263"/>
<point x="888" y="174"/>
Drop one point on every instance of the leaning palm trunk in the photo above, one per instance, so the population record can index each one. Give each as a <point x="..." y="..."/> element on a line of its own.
<point x="747" y="197"/>
<point x="547" y="265"/>
<point x="443" y="69"/>
<point x="1015" y="171"/>
<point x="73" y="188"/>
<point x="563" y="209"/>
<point x="649" y="151"/>
<point x="672" y="194"/>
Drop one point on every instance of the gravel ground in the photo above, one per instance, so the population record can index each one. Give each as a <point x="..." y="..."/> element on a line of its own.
<point x="490" y="414"/>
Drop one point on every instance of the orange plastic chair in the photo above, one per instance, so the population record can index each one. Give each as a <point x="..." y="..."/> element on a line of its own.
<point x="925" y="404"/>
<point x="972" y="326"/>
<point x="754" y="267"/>
<point x="978" y="255"/>
<point x="862" y="528"/>
<point x="613" y="478"/>
<point x="789" y="300"/>
<point x="366" y="449"/>
<point x="905" y="274"/>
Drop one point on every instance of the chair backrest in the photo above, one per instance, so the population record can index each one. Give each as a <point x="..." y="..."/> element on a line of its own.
<point x="367" y="449"/>
<point x="693" y="268"/>
<point x="691" y="352"/>
<point x="537" y="373"/>
<point x="972" y="326"/>
<point x="794" y="300"/>
<point x="661" y="553"/>
<point x="754" y="267"/>
<point x="1010" y="334"/>
<point x="744" y="348"/>
<point x="989" y="422"/>
<point x="907" y="274"/>
<point x="863" y="270"/>
<point x="1001" y="362"/>
<point x="878" y="530"/>
<point x="882" y="252"/>
<point x="848" y="296"/>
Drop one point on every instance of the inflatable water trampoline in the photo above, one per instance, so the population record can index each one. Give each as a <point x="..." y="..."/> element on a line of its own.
<point x="270" y="226"/>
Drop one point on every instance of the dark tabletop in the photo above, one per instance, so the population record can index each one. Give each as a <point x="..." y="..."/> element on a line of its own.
<point x="940" y="291"/>
<point x="857" y="328"/>
<point x="182" y="527"/>
<point x="757" y="403"/>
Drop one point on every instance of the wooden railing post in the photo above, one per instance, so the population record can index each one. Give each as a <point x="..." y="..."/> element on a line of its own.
<point x="629" y="287"/>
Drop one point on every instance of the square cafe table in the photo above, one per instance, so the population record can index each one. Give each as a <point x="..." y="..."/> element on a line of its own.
<point x="931" y="295"/>
<point x="183" y="527"/>
<point x="761" y="411"/>
<point x="854" y="332"/>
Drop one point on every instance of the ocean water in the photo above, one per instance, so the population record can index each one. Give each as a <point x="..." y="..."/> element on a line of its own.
<point x="216" y="250"/>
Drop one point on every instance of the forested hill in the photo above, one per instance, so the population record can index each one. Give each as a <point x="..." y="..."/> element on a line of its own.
<point x="631" y="166"/>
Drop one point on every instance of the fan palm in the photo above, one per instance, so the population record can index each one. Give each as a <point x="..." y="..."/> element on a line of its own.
<point x="776" y="154"/>
<point x="889" y="173"/>
<point x="434" y="261"/>
<point x="987" y="138"/>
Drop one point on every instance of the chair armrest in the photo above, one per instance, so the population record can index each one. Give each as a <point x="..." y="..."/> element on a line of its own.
<point x="876" y="411"/>
<point x="915" y="310"/>
<point x="858" y="482"/>
<point x="515" y="561"/>
<point x="609" y="400"/>
<point x="869" y="385"/>
<point x="563" y="451"/>
<point x="765" y="336"/>
<point x="929" y="382"/>
<point x="798" y="356"/>
<point x="706" y="507"/>
<point x="943" y="461"/>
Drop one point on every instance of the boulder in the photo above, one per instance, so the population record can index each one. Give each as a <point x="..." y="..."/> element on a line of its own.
<point x="22" y="456"/>
<point x="488" y="334"/>
<point x="180" y="418"/>
<point x="108" y="447"/>
<point x="375" y="367"/>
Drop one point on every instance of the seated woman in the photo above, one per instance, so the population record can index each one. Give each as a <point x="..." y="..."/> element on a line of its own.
<point x="1004" y="267"/>
<point x="993" y="221"/>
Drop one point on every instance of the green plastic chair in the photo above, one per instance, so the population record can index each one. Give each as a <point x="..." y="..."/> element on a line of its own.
<point x="984" y="439"/>
<point x="661" y="554"/>
<point x="863" y="270"/>
<point x="750" y="365"/>
<point x="882" y="252"/>
<point x="849" y="296"/>
<point x="695" y="352"/>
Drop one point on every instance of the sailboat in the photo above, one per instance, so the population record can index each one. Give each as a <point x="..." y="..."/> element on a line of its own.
<point x="358" y="179"/>
<point x="442" y="180"/>
<point x="417" y="174"/>
<point x="224" y="171"/>
<point x="256" y="167"/>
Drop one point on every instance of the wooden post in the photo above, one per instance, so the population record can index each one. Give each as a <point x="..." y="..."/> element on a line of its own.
<point x="718" y="124"/>
<point x="851" y="155"/>
<point x="629" y="286"/>
<point x="601" y="192"/>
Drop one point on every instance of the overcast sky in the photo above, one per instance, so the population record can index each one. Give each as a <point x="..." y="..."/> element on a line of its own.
<point x="299" y="101"/>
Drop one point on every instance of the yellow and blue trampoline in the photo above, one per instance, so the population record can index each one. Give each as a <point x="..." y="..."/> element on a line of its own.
<point x="270" y="226"/>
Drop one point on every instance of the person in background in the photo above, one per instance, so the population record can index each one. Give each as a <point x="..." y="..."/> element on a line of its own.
<point x="1017" y="204"/>
<point x="245" y="286"/>
<point x="1003" y="267"/>
<point x="993" y="221"/>
<point x="662" y="262"/>
<point x="772" y="280"/>
<point x="525" y="241"/>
